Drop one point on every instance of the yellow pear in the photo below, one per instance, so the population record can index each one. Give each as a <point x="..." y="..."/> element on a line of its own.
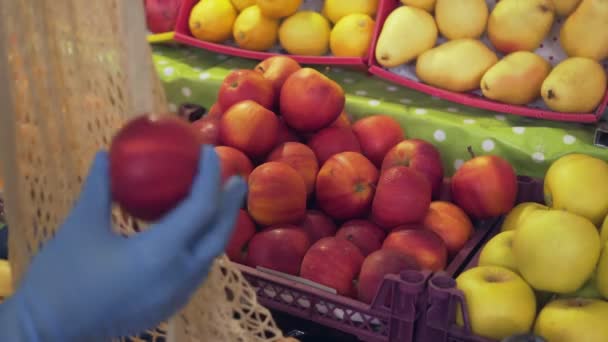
<point x="520" y="25"/>
<point x="604" y="231"/>
<point x="556" y="250"/>
<point x="427" y="5"/>
<point x="456" y="65"/>
<point x="576" y="320"/>
<point x="564" y="8"/>
<point x="578" y="183"/>
<point x="519" y="213"/>
<point x="417" y="25"/>
<point x="461" y="18"/>
<point x="498" y="251"/>
<point x="585" y="32"/>
<point x="516" y="79"/>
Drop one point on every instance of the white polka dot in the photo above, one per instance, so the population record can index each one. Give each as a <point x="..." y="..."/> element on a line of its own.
<point x="222" y="57"/>
<point x="405" y="101"/>
<point x="439" y="135"/>
<point x="519" y="130"/>
<point x="391" y="88"/>
<point x="361" y="92"/>
<point x="569" y="139"/>
<point x="197" y="69"/>
<point x="487" y="145"/>
<point x="458" y="163"/>
<point x="204" y="76"/>
<point x="538" y="156"/>
<point x="336" y="70"/>
<point x="163" y="62"/>
<point x="469" y="121"/>
<point x="500" y="117"/>
<point x="373" y="103"/>
<point x="186" y="91"/>
<point x="349" y="80"/>
<point x="420" y="111"/>
<point x="172" y="107"/>
<point x="168" y="71"/>
<point x="453" y="109"/>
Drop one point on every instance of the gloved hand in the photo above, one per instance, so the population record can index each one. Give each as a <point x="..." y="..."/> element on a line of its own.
<point x="88" y="283"/>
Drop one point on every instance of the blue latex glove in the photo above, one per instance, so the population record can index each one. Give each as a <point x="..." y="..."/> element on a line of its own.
<point x="89" y="283"/>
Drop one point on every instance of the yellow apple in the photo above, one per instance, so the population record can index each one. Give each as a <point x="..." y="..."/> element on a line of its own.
<point x="6" y="281"/>
<point x="556" y="250"/>
<point x="498" y="251"/>
<point x="604" y="231"/>
<point x="499" y="302"/>
<point x="576" y="319"/>
<point x="602" y="273"/>
<point x="578" y="183"/>
<point x="589" y="290"/>
<point x="519" y="213"/>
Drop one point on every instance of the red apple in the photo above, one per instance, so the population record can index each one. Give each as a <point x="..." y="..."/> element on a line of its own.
<point x="379" y="264"/>
<point x="334" y="263"/>
<point x="485" y="187"/>
<point x="242" y="233"/>
<point x="161" y="15"/>
<point x="301" y="158"/>
<point x="153" y="162"/>
<point x="277" y="69"/>
<point x="249" y="127"/>
<point x="345" y="185"/>
<point x="214" y="111"/>
<point x="207" y="130"/>
<point x="377" y="134"/>
<point x="364" y="234"/>
<point x="403" y="195"/>
<point x="408" y="226"/>
<point x="280" y="249"/>
<point x="333" y="140"/>
<point x="317" y="225"/>
<point x="241" y="85"/>
<point x="423" y="245"/>
<point x="342" y="121"/>
<point x="449" y="222"/>
<point x="310" y="100"/>
<point x="277" y="194"/>
<point x="420" y="156"/>
<point x="286" y="134"/>
<point x="233" y="162"/>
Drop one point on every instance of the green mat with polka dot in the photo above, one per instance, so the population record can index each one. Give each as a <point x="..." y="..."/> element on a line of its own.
<point x="191" y="75"/>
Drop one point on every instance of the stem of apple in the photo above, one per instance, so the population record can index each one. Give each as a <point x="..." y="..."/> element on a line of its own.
<point x="471" y="152"/>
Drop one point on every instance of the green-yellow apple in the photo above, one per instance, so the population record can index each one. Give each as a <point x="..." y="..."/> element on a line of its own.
<point x="519" y="213"/>
<point x="499" y="302"/>
<point x="556" y="250"/>
<point x="575" y="319"/>
<point x="602" y="273"/>
<point x="498" y="251"/>
<point x="589" y="290"/>
<point x="578" y="183"/>
<point x="604" y="231"/>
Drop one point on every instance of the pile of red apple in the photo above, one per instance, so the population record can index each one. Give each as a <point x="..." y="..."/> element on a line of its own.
<point x="337" y="203"/>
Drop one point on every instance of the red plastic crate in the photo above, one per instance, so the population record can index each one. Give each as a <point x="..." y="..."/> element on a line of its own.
<point x="183" y="35"/>
<point x="469" y="99"/>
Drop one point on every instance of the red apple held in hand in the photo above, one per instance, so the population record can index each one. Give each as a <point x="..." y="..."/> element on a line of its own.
<point x="277" y="69"/>
<point x="242" y="233"/>
<point x="161" y="15"/>
<point x="285" y="134"/>
<point x="301" y="158"/>
<point x="333" y="140"/>
<point x="345" y="185"/>
<point x="310" y="100"/>
<point x="249" y="127"/>
<point x="377" y="134"/>
<point x="379" y="264"/>
<point x="364" y="234"/>
<point x="485" y="187"/>
<point x="342" y="121"/>
<point x="280" y="249"/>
<point x="449" y="222"/>
<point x="403" y="196"/>
<point x="422" y="244"/>
<point x="420" y="156"/>
<point x="153" y="162"/>
<point x="317" y="225"/>
<point x="207" y="130"/>
<point x="334" y="263"/>
<point x="233" y="163"/>
<point x="241" y="85"/>
<point x="277" y="194"/>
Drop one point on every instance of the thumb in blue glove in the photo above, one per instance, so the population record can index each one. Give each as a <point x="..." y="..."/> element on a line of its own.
<point x="88" y="283"/>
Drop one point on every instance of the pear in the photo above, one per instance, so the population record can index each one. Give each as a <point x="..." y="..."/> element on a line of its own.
<point x="516" y="79"/>
<point x="417" y="25"/>
<point x="520" y="25"/>
<point x="461" y="18"/>
<point x="427" y="5"/>
<point x="585" y="32"/>
<point x="576" y="85"/>
<point x="456" y="65"/>
<point x="564" y="8"/>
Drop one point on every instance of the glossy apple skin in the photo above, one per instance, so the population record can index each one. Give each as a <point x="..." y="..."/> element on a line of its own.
<point x="301" y="158"/>
<point x="207" y="130"/>
<point x="277" y="69"/>
<point x="332" y="140"/>
<point x="366" y="235"/>
<point x="449" y="222"/>
<point x="423" y="245"/>
<point x="334" y="263"/>
<point x="403" y="196"/>
<point x="240" y="85"/>
<point x="242" y="233"/>
<point x="153" y="162"/>
<point x="310" y="100"/>
<point x="485" y="187"/>
<point x="317" y="225"/>
<point x="377" y="134"/>
<point x="421" y="156"/>
<point x="250" y="128"/>
<point x="277" y="194"/>
<point x="376" y="266"/>
<point x="345" y="186"/>
<point x="233" y="163"/>
<point x="280" y="249"/>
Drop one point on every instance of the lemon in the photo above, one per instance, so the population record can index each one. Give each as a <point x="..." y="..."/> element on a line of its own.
<point x="279" y="8"/>
<point x="305" y="33"/>
<point x="336" y="9"/>
<point x="352" y="35"/>
<point x="212" y="20"/>
<point x="240" y="5"/>
<point x="6" y="283"/>
<point x="254" y="31"/>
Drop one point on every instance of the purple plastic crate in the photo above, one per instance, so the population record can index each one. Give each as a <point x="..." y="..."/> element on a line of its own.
<point x="438" y="323"/>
